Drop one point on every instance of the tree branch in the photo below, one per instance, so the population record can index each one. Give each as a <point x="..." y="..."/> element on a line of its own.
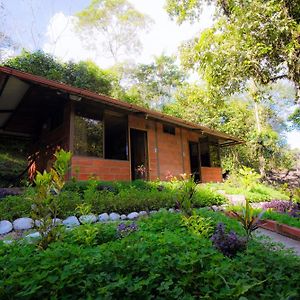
<point x="278" y="77"/>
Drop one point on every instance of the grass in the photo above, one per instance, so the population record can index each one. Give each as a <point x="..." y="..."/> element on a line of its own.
<point x="259" y="193"/>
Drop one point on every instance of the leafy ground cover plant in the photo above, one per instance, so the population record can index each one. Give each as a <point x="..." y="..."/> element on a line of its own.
<point x="88" y="235"/>
<point x="279" y="206"/>
<point x="287" y="207"/>
<point x="247" y="182"/>
<point x="128" y="198"/>
<point x="198" y="225"/>
<point x="161" y="260"/>
<point x="124" y="229"/>
<point x="228" y="243"/>
<point x="13" y="207"/>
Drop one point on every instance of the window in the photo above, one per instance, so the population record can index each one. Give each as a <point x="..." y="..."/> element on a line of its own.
<point x="57" y="119"/>
<point x="204" y="153"/>
<point x="169" y="129"/>
<point x="210" y="155"/>
<point x="214" y="155"/>
<point x="116" y="137"/>
<point x="88" y="135"/>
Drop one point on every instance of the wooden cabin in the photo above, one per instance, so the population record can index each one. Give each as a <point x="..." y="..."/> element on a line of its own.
<point x="110" y="139"/>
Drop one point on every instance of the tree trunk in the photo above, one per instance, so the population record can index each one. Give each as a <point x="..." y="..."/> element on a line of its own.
<point x="261" y="159"/>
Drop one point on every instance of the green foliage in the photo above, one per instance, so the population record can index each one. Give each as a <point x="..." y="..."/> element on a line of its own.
<point x="258" y="192"/>
<point x="205" y="197"/>
<point x="13" y="207"/>
<point x="83" y="209"/>
<point x="249" y="218"/>
<point x="13" y="160"/>
<point x="254" y="39"/>
<point x="68" y="203"/>
<point x="248" y="178"/>
<point x="198" y="225"/>
<point x="84" y="75"/>
<point x="161" y="260"/>
<point x="128" y="197"/>
<point x="186" y="194"/>
<point x="249" y="48"/>
<point x="91" y="234"/>
<point x="116" y="22"/>
<point x="295" y="118"/>
<point x="45" y="199"/>
<point x="155" y="83"/>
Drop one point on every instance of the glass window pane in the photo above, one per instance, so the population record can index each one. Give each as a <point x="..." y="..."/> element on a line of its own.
<point x="116" y="130"/>
<point x="214" y="155"/>
<point x="88" y="136"/>
<point x="204" y="151"/>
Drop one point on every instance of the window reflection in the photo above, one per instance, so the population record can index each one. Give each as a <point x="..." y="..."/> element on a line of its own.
<point x="88" y="136"/>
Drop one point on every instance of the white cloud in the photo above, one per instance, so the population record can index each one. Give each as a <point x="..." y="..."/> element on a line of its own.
<point x="293" y="139"/>
<point x="164" y="35"/>
<point x="63" y="40"/>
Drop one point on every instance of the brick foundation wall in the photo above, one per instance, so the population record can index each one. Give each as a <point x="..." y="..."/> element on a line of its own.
<point x="211" y="174"/>
<point x="103" y="169"/>
<point x="167" y="154"/>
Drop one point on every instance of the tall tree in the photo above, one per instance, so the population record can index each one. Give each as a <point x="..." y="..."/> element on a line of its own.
<point x="115" y="23"/>
<point x="258" y="39"/>
<point x="155" y="83"/>
<point x="251" y="45"/>
<point x="237" y="116"/>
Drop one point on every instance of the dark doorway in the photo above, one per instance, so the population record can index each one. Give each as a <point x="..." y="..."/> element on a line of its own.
<point x="139" y="155"/>
<point x="194" y="160"/>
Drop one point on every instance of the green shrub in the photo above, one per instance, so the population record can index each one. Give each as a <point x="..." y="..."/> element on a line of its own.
<point x="91" y="234"/>
<point x="258" y="193"/>
<point x="205" y="196"/>
<point x="161" y="260"/>
<point x="137" y="196"/>
<point x="68" y="201"/>
<point x="13" y="207"/>
<point x="198" y="225"/>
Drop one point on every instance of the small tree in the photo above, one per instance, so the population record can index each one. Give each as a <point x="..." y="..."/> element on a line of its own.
<point x="45" y="200"/>
<point x="248" y="218"/>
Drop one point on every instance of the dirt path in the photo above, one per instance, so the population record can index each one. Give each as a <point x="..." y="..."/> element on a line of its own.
<point x="288" y="243"/>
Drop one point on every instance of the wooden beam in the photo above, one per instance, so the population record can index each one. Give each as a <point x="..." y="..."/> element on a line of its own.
<point x="3" y="84"/>
<point x="5" y="111"/>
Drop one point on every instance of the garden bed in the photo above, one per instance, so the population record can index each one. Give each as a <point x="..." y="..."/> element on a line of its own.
<point x="272" y="225"/>
<point x="283" y="229"/>
<point x="159" y="259"/>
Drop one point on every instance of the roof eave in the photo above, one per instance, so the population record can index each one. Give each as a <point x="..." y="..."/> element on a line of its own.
<point x="117" y="103"/>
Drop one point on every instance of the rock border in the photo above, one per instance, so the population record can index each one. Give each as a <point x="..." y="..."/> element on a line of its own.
<point x="22" y="224"/>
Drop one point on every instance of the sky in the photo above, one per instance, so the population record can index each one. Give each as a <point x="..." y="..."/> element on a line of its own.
<point x="50" y="27"/>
